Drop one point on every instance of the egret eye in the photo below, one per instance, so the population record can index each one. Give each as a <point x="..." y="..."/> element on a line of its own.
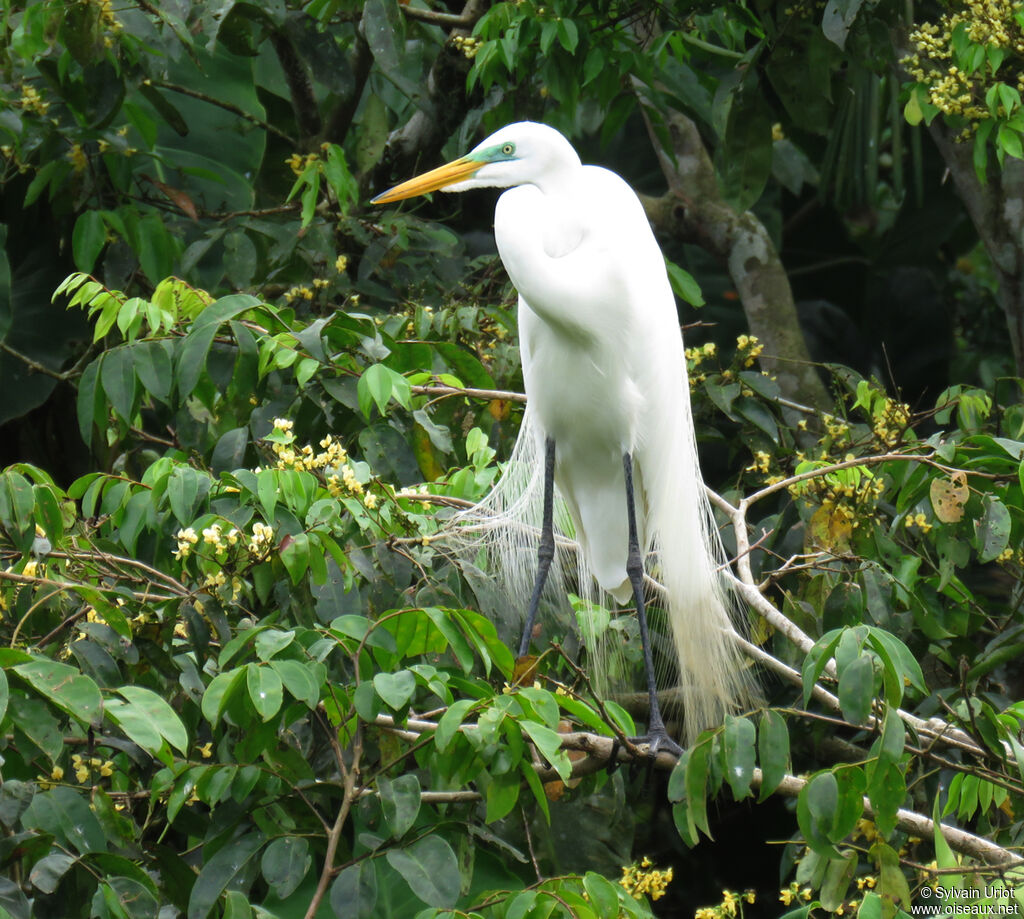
<point x="508" y="149"/>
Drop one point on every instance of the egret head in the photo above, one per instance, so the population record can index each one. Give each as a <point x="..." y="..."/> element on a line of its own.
<point x="519" y="154"/>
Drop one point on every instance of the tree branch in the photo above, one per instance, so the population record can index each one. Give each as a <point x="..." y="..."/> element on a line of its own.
<point x="600" y="751"/>
<point x="694" y="210"/>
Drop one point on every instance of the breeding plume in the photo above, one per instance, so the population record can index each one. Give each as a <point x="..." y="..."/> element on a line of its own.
<point x="608" y="424"/>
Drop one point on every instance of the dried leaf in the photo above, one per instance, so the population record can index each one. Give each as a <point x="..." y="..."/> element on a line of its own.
<point x="830" y="528"/>
<point x="949" y="497"/>
<point x="525" y="670"/>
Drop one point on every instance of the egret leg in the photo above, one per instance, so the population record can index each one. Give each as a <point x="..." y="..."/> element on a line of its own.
<point x="657" y="736"/>
<point x="546" y="549"/>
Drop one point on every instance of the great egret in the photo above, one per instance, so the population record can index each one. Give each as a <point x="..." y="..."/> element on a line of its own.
<point x="608" y="418"/>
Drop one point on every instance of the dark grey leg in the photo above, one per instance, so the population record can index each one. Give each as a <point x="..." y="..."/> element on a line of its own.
<point x="546" y="550"/>
<point x="656" y="735"/>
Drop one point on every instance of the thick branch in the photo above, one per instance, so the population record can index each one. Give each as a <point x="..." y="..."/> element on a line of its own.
<point x="300" y="87"/>
<point x="442" y="107"/>
<point x="694" y="211"/>
<point x="601" y="749"/>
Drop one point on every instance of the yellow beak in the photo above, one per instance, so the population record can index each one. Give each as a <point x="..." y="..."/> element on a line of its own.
<point x="455" y="171"/>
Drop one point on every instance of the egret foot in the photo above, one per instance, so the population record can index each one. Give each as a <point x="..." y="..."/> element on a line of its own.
<point x="658" y="741"/>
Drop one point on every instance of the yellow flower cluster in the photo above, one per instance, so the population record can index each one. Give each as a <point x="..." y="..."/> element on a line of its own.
<point x="643" y="879"/>
<point x="696" y="355"/>
<point x="468" y="45"/>
<point x="186" y="538"/>
<point x="299" y="163"/>
<point x="79" y="161"/>
<point x="289" y="457"/>
<point x="730" y="905"/>
<point x="215" y="537"/>
<point x="46" y="782"/>
<point x="300" y="291"/>
<point x="83" y="767"/>
<point x="341" y="263"/>
<point x="762" y="462"/>
<point x="794" y="894"/>
<point x="989" y="23"/>
<point x="304" y="291"/>
<point x="890" y="422"/>
<point x="31" y="100"/>
<point x="750" y="349"/>
<point x="332" y="456"/>
<point x="262" y="538"/>
<point x="918" y="520"/>
<point x="867" y="829"/>
<point x="836" y="428"/>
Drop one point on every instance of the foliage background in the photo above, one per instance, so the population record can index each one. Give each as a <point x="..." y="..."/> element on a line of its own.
<point x="242" y="677"/>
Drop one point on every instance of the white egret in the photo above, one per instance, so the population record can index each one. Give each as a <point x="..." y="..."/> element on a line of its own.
<point x="608" y="418"/>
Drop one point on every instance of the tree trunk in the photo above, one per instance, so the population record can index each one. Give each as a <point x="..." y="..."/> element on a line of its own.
<point x="693" y="210"/>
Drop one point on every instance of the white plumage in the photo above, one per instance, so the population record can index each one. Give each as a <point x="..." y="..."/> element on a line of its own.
<point x="605" y="375"/>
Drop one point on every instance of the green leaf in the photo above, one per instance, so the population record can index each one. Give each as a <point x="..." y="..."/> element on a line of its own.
<point x="549" y="744"/>
<point x="772" y="751"/>
<point x="219" y="692"/>
<point x="887" y="789"/>
<point x="992" y="529"/>
<point x="738" y="744"/>
<point x="395" y="689"/>
<point x="185" y="489"/>
<point x="87" y="240"/>
<point x="400" y="801"/>
<point x="838" y="875"/>
<point x="89" y="406"/>
<point x="892" y="886"/>
<point x="851" y="782"/>
<point x="430" y="868"/>
<point x="602" y="893"/>
<point x="15" y="797"/>
<point x="193" y="351"/>
<point x="48" y="871"/>
<point x="374" y="388"/>
<point x="683" y="284"/>
<point x="285" y="863"/>
<point x="354" y="892"/>
<point x="450" y="722"/>
<point x="66" y="687"/>
<point x="944" y="855"/>
<point x="816" y="809"/>
<point x="236" y="905"/>
<point x="857" y="689"/>
<point x="295" y="555"/>
<point x="148" y="720"/>
<point x="502" y="795"/>
<point x="265" y="690"/>
<point x="890" y="746"/>
<point x="300" y="679"/>
<point x="697" y="769"/>
<point x="228" y="864"/>
<point x="66" y="814"/>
